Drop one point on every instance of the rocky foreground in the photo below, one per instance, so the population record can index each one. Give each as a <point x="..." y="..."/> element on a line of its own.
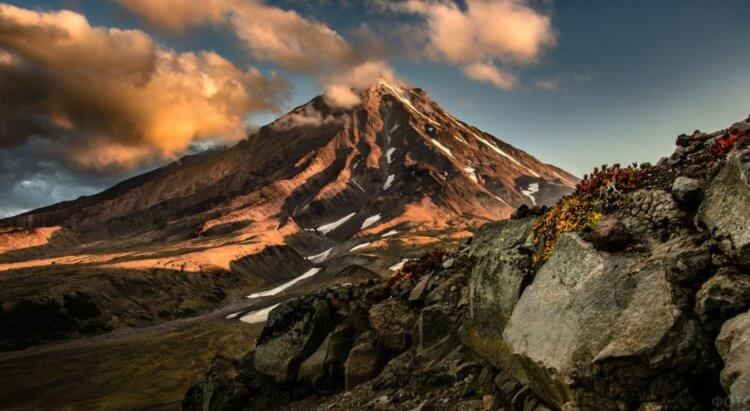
<point x="630" y="294"/>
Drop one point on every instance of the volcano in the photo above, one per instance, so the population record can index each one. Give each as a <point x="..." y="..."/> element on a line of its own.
<point x="321" y="189"/>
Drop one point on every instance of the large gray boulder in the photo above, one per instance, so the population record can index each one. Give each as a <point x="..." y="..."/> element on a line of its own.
<point x="733" y="344"/>
<point x="219" y="390"/>
<point x="502" y="268"/>
<point x="726" y="206"/>
<point x="291" y="336"/>
<point x="596" y="330"/>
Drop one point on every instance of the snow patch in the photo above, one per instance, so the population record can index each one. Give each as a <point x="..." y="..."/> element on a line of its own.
<point x="472" y="173"/>
<point x="399" y="265"/>
<point x="309" y="273"/>
<point x="327" y="228"/>
<point x="258" y="316"/>
<point x="359" y="247"/>
<point x="441" y="146"/>
<point x="358" y="186"/>
<point x="370" y="221"/>
<point x="389" y="182"/>
<point x="394" y="128"/>
<point x="319" y="258"/>
<point x="389" y="154"/>
<point x="501" y="200"/>
<point x="390" y="233"/>
<point x="529" y="192"/>
<point x="232" y="316"/>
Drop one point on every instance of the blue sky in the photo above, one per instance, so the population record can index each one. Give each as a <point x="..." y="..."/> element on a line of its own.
<point x="623" y="78"/>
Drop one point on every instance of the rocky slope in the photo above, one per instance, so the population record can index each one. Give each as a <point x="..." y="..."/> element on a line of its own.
<point x="632" y="293"/>
<point x="319" y="190"/>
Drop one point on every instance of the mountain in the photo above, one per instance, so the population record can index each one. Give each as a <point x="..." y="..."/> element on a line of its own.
<point x="319" y="189"/>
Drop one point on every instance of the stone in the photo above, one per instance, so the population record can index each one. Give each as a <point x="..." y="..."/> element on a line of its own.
<point x="610" y="234"/>
<point x="312" y="371"/>
<point x="338" y="349"/>
<point x="364" y="363"/>
<point x="419" y="291"/>
<point x="686" y="191"/>
<point x="684" y="140"/>
<point x="733" y="344"/>
<point x="281" y="350"/>
<point x="384" y="403"/>
<point x="723" y="296"/>
<point x="593" y="323"/>
<point x="497" y="279"/>
<point x="448" y="263"/>
<point x="488" y="402"/>
<point x="433" y="325"/>
<point x="219" y="390"/>
<point x="392" y="321"/>
<point x="726" y="207"/>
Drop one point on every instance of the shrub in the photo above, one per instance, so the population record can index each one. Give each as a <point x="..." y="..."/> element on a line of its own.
<point x="598" y="193"/>
<point x="412" y="270"/>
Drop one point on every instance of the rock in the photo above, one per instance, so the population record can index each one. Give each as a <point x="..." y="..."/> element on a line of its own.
<point x="611" y="234"/>
<point x="364" y="363"/>
<point x="488" y="402"/>
<point x="686" y="191"/>
<point x="384" y="403"/>
<point x="593" y="323"/>
<point x="338" y="350"/>
<point x="723" y="296"/>
<point x="726" y="207"/>
<point x="733" y="344"/>
<point x="359" y="316"/>
<point x="283" y="347"/>
<point x="312" y="370"/>
<point x="219" y="390"/>
<point x="684" y="140"/>
<point x="448" y="263"/>
<point x="392" y="321"/>
<point x="419" y="291"/>
<point x="433" y="325"/>
<point x="497" y="279"/>
<point x="740" y="127"/>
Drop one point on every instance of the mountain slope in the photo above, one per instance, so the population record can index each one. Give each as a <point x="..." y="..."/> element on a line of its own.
<point x="320" y="186"/>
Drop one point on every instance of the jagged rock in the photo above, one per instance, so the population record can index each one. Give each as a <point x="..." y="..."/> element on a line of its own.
<point x="583" y="328"/>
<point x="733" y="344"/>
<point x="359" y="316"/>
<point x="220" y="389"/>
<point x="684" y="140"/>
<point x="447" y="293"/>
<point x="419" y="291"/>
<point x="312" y="370"/>
<point x="392" y="321"/>
<point x="281" y="349"/>
<point x="497" y="279"/>
<point x="611" y="234"/>
<point x="723" y="296"/>
<point x="338" y="349"/>
<point x="686" y="191"/>
<point x="726" y="207"/>
<point x="364" y="363"/>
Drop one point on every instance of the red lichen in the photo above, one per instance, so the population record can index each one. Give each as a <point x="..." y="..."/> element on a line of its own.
<point x="412" y="270"/>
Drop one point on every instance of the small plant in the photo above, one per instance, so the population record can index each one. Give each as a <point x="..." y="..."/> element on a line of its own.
<point x="598" y="193"/>
<point x="412" y="270"/>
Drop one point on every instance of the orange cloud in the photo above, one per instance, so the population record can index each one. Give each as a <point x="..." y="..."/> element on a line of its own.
<point x="490" y="74"/>
<point x="508" y="32"/>
<point x="113" y="97"/>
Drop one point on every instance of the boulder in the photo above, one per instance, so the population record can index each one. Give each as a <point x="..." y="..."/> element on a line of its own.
<point x="220" y="389"/>
<point x="723" y="296"/>
<point x="364" y="363"/>
<point x="595" y="330"/>
<point x="686" y="191"/>
<point x="611" y="234"/>
<point x="733" y="344"/>
<point x="497" y="279"/>
<point x="392" y="321"/>
<point x="291" y="338"/>
<point x="727" y="205"/>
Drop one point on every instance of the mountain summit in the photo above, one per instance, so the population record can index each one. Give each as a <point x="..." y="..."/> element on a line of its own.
<point x="367" y="184"/>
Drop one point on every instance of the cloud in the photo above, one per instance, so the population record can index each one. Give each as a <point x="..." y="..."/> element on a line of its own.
<point x="582" y="76"/>
<point x="341" y="87"/>
<point x="113" y="99"/>
<point x="481" y="35"/>
<point x="268" y="33"/>
<point x="490" y="74"/>
<point x="551" y="84"/>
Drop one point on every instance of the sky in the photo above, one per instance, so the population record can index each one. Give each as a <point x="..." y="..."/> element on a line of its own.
<point x="95" y="91"/>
